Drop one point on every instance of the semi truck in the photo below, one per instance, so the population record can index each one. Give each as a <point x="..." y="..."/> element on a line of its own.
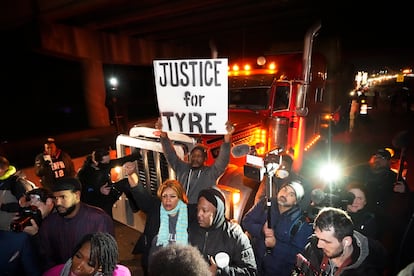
<point x="276" y="103"/>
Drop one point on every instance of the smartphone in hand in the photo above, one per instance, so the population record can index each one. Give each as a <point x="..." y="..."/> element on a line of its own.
<point x="47" y="157"/>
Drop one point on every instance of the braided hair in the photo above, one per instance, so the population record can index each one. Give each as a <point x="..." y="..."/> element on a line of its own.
<point x="104" y="251"/>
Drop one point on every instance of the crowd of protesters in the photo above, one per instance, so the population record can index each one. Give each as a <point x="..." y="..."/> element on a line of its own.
<point x="71" y="223"/>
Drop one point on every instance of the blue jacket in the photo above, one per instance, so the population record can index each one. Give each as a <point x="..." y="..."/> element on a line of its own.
<point x="18" y="255"/>
<point x="291" y="231"/>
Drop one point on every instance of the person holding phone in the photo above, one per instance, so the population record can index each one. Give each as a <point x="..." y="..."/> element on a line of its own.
<point x="53" y="163"/>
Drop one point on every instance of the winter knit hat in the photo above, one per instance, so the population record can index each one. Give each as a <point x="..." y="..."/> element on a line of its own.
<point x="215" y="197"/>
<point x="212" y="195"/>
<point x="298" y="188"/>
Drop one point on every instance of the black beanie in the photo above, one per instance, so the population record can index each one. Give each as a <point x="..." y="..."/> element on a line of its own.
<point x="67" y="183"/>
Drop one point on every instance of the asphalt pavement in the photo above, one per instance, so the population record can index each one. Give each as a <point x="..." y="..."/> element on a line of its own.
<point x="126" y="238"/>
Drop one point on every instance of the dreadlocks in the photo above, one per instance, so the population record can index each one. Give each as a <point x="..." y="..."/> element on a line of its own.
<point x="104" y="251"/>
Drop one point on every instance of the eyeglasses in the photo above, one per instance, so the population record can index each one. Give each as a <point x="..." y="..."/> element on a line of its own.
<point x="33" y="197"/>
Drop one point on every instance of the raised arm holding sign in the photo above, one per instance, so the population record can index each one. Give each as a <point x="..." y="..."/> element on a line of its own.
<point x="195" y="175"/>
<point x="192" y="95"/>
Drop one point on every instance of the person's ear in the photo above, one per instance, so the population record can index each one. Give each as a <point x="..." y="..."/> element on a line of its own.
<point x="347" y="241"/>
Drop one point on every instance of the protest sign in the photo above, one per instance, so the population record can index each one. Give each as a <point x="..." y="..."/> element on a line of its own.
<point x="192" y="95"/>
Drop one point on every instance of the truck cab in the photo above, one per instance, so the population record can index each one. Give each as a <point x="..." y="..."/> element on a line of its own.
<point x="275" y="103"/>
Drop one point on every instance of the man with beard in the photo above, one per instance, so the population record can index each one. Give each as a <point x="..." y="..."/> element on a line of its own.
<point x="283" y="175"/>
<point x="195" y="175"/>
<point x="72" y="220"/>
<point x="336" y="249"/>
<point x="278" y="230"/>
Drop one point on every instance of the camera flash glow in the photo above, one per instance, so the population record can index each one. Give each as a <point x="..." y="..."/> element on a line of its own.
<point x="329" y="172"/>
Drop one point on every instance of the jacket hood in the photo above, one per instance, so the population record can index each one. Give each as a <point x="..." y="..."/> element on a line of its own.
<point x="216" y="198"/>
<point x="362" y="242"/>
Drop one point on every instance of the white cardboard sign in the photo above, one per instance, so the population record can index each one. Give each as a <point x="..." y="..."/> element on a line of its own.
<point x="192" y="95"/>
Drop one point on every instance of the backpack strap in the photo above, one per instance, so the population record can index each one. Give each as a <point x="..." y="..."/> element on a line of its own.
<point x="296" y="225"/>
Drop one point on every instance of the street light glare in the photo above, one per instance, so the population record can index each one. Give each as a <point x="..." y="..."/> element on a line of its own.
<point x="113" y="81"/>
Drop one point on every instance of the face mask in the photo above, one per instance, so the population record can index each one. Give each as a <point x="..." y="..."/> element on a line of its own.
<point x="282" y="174"/>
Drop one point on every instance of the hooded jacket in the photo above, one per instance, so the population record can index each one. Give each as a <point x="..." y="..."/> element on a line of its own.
<point x="228" y="237"/>
<point x="368" y="257"/>
<point x="12" y="188"/>
<point x="195" y="180"/>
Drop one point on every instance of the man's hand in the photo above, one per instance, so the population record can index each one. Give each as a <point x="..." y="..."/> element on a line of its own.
<point x="270" y="240"/>
<point x="105" y="189"/>
<point x="399" y="187"/>
<point x="32" y="229"/>
<point x="158" y="125"/>
<point x="229" y="127"/>
<point x="129" y="167"/>
<point x="130" y="170"/>
<point x="213" y="266"/>
<point x="230" y="130"/>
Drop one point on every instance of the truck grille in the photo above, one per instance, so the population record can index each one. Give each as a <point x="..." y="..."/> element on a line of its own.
<point x="152" y="169"/>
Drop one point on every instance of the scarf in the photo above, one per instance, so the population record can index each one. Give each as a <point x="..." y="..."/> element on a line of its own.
<point x="66" y="269"/>
<point x="180" y="228"/>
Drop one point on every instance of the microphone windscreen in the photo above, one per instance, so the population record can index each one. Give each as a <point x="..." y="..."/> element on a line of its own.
<point x="240" y="150"/>
<point x="317" y="196"/>
<point x="348" y="198"/>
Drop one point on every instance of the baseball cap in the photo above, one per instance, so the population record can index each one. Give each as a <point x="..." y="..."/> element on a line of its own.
<point x="50" y="140"/>
<point x="298" y="188"/>
<point x="67" y="183"/>
<point x="383" y="153"/>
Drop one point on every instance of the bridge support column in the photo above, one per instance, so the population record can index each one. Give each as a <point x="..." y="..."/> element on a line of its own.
<point x="95" y="95"/>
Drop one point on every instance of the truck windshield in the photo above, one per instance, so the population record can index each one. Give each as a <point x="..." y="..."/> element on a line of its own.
<point x="255" y="98"/>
